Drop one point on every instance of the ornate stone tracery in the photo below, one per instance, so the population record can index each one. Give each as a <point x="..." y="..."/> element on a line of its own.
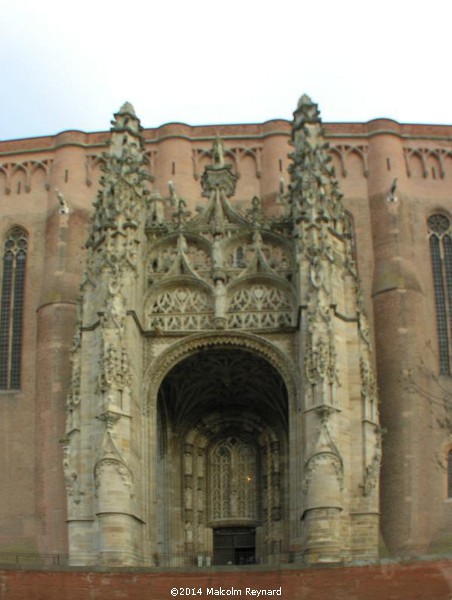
<point x="233" y="483"/>
<point x="182" y="308"/>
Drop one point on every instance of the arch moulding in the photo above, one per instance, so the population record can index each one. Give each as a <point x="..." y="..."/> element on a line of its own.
<point x="162" y="364"/>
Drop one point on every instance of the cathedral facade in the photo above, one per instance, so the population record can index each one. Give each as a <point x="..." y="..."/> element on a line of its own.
<point x="227" y="344"/>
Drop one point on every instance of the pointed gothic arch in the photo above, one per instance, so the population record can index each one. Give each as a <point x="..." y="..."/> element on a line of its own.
<point x="440" y="237"/>
<point x="224" y="436"/>
<point x="15" y="249"/>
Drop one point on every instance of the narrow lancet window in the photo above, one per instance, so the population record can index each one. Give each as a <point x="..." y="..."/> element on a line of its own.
<point x="441" y="256"/>
<point x="11" y="312"/>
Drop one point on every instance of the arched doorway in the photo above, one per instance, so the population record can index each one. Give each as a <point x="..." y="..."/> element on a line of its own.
<point x="222" y="466"/>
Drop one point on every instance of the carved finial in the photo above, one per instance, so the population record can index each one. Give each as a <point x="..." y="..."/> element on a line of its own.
<point x="126" y="122"/>
<point x="307" y="111"/>
<point x="127" y="108"/>
<point x="218" y="175"/>
<point x="304" y="100"/>
<point x="256" y="211"/>
<point x="182" y="213"/>
<point x="218" y="152"/>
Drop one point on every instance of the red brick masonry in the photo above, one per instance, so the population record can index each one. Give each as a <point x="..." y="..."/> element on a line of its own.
<point x="430" y="580"/>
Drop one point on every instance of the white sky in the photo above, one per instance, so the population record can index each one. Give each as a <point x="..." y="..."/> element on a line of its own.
<point x="69" y="64"/>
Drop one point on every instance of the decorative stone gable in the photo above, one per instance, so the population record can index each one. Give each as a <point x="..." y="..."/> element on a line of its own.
<point x="221" y="269"/>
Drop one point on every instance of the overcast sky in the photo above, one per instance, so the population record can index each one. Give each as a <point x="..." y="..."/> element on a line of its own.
<point x="70" y="65"/>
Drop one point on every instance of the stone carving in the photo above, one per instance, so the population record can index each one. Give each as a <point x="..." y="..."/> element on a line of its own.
<point x="242" y="255"/>
<point x="372" y="470"/>
<point x="325" y="459"/>
<point x="123" y="195"/>
<point x="325" y="452"/>
<point x="219" y="246"/>
<point x="180" y="309"/>
<point x="70" y="474"/>
<point x="102" y="473"/>
<point x="314" y="193"/>
<point x="242" y="321"/>
<point x="114" y="369"/>
<point x="259" y="306"/>
<point x="112" y="460"/>
<point x="368" y="389"/>
<point x="182" y="257"/>
<point x="233" y="485"/>
<point x="92" y="162"/>
<point x="233" y="154"/>
<point x="114" y="316"/>
<point x="73" y="399"/>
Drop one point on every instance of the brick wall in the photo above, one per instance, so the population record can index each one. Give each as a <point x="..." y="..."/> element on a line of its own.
<point x="421" y="580"/>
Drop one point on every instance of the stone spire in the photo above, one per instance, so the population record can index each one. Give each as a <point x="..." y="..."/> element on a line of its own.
<point x="315" y="197"/>
<point x="123" y="190"/>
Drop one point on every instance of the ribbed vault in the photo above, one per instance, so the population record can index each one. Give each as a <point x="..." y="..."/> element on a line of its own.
<point x="225" y="381"/>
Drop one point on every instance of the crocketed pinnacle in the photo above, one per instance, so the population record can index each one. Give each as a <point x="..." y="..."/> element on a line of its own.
<point x="123" y="188"/>
<point x="126" y="121"/>
<point x="314" y="194"/>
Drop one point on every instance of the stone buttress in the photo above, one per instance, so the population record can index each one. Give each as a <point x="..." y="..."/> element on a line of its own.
<point x="101" y="450"/>
<point x="341" y="434"/>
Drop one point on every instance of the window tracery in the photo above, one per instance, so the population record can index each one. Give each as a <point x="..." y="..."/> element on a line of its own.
<point x="11" y="313"/>
<point x="441" y="257"/>
<point x="233" y="480"/>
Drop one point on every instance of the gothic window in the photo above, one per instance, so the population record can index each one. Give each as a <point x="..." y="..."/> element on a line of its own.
<point x="449" y="474"/>
<point x="440" y="235"/>
<point x="11" y="312"/>
<point x="233" y="480"/>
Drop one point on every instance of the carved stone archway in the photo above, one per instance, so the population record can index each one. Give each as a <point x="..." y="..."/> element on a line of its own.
<point x="223" y="454"/>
